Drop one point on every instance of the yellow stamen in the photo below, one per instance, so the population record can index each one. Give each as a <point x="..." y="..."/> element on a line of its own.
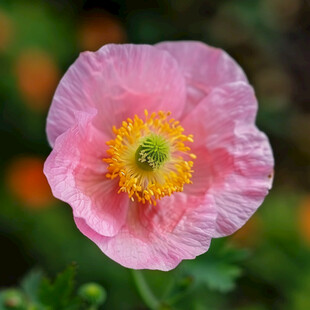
<point x="149" y="157"/>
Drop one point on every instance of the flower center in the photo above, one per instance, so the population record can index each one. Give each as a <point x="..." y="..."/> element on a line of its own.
<point x="150" y="157"/>
<point x="152" y="153"/>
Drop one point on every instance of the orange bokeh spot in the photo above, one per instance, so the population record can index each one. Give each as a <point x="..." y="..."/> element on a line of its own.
<point x="99" y="28"/>
<point x="304" y="219"/>
<point x="6" y="31"/>
<point x="27" y="182"/>
<point x="37" y="77"/>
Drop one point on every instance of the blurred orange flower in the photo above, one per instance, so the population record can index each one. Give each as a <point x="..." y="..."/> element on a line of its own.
<point x="304" y="219"/>
<point x="6" y="31"/>
<point x="99" y="28"/>
<point x="27" y="182"/>
<point x="37" y="77"/>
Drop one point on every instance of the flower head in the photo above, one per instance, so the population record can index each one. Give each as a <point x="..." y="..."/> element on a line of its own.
<point x="156" y="150"/>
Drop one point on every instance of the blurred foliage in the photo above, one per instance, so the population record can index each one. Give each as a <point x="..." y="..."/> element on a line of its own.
<point x="39" y="293"/>
<point x="266" y="265"/>
<point x="218" y="271"/>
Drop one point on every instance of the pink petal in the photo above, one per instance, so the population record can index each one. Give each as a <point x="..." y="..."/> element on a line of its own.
<point x="204" y="68"/>
<point x="220" y="112"/>
<point x="178" y="228"/>
<point x="76" y="174"/>
<point x="209" y="169"/>
<point x="235" y="161"/>
<point x="244" y="189"/>
<point x="118" y="81"/>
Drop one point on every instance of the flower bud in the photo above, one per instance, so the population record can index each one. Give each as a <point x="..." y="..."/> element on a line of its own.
<point x="92" y="293"/>
<point x="13" y="299"/>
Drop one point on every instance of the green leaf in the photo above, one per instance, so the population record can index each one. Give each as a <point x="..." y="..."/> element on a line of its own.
<point x="217" y="275"/>
<point x="218" y="269"/>
<point x="58" y="295"/>
<point x="31" y="283"/>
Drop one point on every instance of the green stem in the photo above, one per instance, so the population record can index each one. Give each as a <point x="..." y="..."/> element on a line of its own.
<point x="144" y="290"/>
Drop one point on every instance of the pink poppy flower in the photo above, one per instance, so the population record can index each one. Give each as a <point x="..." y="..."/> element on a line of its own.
<point x="155" y="149"/>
